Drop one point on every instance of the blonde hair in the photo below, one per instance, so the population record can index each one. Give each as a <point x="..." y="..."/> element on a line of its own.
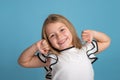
<point x="53" y="18"/>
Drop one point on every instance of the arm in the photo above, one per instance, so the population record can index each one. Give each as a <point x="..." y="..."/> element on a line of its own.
<point x="102" y="39"/>
<point x="28" y="57"/>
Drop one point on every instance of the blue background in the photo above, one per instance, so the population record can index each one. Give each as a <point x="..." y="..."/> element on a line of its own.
<point x="21" y="22"/>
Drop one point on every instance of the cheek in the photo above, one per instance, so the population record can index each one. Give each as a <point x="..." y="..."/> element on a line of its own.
<point x="69" y="35"/>
<point x="70" y="38"/>
<point x="53" y="42"/>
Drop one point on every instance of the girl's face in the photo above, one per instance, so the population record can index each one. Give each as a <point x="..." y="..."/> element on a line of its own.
<point x="59" y="35"/>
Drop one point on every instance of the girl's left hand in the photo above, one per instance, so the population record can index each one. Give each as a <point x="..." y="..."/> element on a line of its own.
<point x="87" y="36"/>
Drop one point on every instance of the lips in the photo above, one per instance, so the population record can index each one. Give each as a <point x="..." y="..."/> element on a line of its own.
<point x="62" y="41"/>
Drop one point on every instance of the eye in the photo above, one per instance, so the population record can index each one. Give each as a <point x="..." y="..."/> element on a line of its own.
<point x="52" y="35"/>
<point x="62" y="29"/>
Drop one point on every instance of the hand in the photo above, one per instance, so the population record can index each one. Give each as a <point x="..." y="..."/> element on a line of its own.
<point x="43" y="46"/>
<point x="87" y="36"/>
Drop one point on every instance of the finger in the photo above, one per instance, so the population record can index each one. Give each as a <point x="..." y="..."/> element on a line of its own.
<point x="45" y="46"/>
<point x="40" y="46"/>
<point x="46" y="50"/>
<point x="44" y="43"/>
<point x="87" y="38"/>
<point x="85" y="34"/>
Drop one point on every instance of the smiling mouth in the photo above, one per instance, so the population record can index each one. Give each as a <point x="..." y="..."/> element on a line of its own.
<point x="61" y="42"/>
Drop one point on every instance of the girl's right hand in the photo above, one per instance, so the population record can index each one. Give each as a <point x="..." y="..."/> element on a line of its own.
<point x="43" y="47"/>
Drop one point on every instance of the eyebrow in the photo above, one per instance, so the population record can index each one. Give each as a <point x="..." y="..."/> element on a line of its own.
<point x="60" y="27"/>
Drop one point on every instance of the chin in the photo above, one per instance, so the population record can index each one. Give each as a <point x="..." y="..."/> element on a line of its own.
<point x="64" y="47"/>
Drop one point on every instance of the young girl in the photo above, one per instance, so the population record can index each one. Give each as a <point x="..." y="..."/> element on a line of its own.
<point x="62" y="53"/>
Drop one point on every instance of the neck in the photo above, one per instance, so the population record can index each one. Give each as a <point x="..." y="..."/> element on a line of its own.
<point x="65" y="49"/>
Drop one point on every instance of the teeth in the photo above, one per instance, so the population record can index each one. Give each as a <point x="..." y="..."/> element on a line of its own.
<point x="61" y="41"/>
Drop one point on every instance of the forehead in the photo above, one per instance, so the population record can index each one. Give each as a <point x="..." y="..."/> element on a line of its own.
<point x="53" y="27"/>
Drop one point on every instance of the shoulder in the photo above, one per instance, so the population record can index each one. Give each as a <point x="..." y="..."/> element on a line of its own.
<point x="93" y="46"/>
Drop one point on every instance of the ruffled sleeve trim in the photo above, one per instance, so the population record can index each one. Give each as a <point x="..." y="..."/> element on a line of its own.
<point x="42" y="57"/>
<point x="54" y="60"/>
<point x="92" y="48"/>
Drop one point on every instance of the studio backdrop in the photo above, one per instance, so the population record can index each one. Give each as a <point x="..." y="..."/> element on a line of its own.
<point x="21" y="22"/>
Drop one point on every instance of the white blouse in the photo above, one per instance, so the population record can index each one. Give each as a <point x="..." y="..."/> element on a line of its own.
<point x="72" y="63"/>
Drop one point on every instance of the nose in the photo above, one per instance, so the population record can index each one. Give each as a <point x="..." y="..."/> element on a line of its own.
<point x="59" y="35"/>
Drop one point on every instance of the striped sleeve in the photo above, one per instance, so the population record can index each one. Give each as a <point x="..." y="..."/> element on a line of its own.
<point x="53" y="61"/>
<point x="42" y="57"/>
<point x="92" y="48"/>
